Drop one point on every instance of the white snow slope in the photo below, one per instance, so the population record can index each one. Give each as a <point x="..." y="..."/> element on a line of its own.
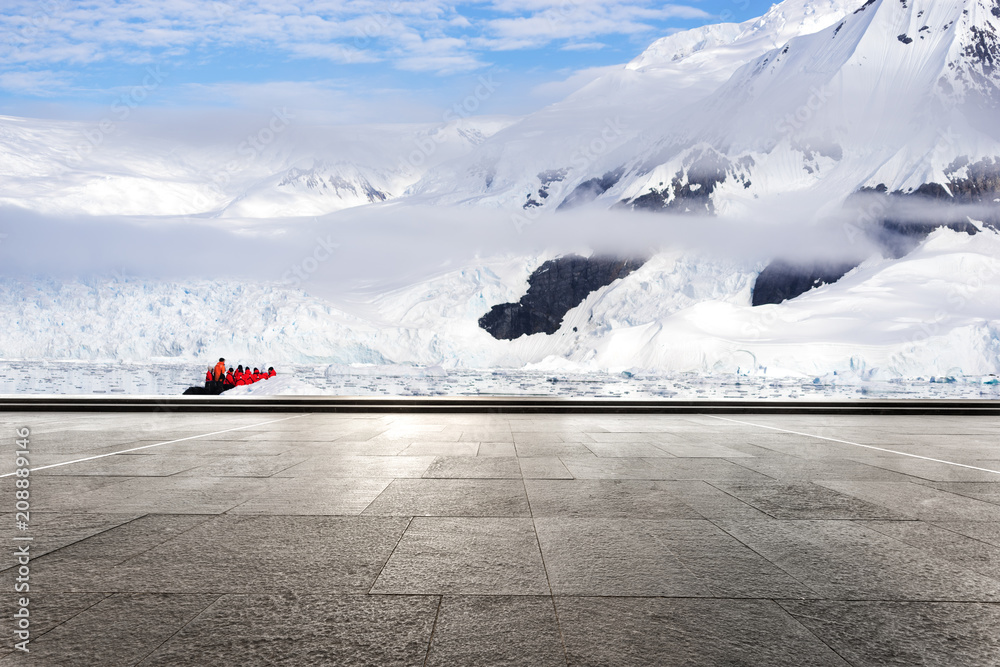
<point x="276" y="169"/>
<point x="803" y="106"/>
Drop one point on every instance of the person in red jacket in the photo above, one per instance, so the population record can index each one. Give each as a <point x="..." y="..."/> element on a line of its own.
<point x="220" y="370"/>
<point x="230" y="380"/>
<point x="209" y="376"/>
<point x="256" y="375"/>
<point x="238" y="375"/>
<point x="270" y="372"/>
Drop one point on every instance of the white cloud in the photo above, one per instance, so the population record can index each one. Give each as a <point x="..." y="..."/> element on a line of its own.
<point x="583" y="46"/>
<point x="542" y="21"/>
<point x="327" y="101"/>
<point x="40" y="83"/>
<point x="417" y="35"/>
<point x="554" y="90"/>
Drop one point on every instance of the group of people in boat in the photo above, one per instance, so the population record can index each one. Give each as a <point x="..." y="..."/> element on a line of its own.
<point x="220" y="376"/>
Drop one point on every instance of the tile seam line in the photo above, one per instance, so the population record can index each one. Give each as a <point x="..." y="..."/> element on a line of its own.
<point x="82" y="611"/>
<point x="805" y="628"/>
<point x="545" y="568"/>
<point x="156" y="444"/>
<point x="430" y="639"/>
<point x="399" y="540"/>
<point x="179" y="630"/>
<point x="855" y="444"/>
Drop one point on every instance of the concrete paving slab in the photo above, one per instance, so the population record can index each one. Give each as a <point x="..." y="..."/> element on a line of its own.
<point x="918" y="501"/>
<point x="551" y="448"/>
<point x="496" y="449"/>
<point x="704" y="450"/>
<point x="543" y="467"/>
<point x="984" y="531"/>
<point x="434" y="448"/>
<point x="246" y="554"/>
<point x="334" y="496"/>
<point x="486" y="467"/>
<point x="845" y="560"/>
<point x="614" y="557"/>
<point x="54" y="530"/>
<point x="451" y="497"/>
<point x="626" y="499"/>
<point x="810" y="470"/>
<point x="609" y="468"/>
<point x="304" y="630"/>
<point x="637" y="632"/>
<point x="169" y="495"/>
<point x="47" y="611"/>
<point x="242" y="466"/>
<point x="711" y="502"/>
<point x="121" y="629"/>
<point x="465" y="556"/>
<point x="904" y="633"/>
<point x="704" y="469"/>
<point x="949" y="545"/>
<point x="484" y="631"/>
<point x="933" y="470"/>
<point x="805" y="501"/>
<point x="129" y="466"/>
<point x="360" y="466"/>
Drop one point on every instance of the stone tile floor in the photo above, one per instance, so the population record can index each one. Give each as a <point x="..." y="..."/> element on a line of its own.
<point x="536" y="540"/>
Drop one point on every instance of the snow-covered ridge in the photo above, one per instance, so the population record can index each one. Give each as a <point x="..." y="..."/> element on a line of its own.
<point x="750" y="39"/>
<point x="277" y="170"/>
<point x="891" y="95"/>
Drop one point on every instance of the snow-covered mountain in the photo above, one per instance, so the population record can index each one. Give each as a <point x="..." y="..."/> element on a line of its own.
<point x="589" y="136"/>
<point x="820" y="112"/>
<point x="827" y="97"/>
<point x="897" y="95"/>
<point x="272" y="169"/>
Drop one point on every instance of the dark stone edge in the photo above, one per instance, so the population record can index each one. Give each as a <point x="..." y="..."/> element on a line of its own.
<point x="498" y="404"/>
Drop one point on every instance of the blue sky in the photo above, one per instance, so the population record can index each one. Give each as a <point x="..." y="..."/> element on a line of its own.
<point x="338" y="61"/>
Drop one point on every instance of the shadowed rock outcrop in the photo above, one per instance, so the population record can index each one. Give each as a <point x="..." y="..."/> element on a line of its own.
<point x="553" y="289"/>
<point x="972" y="189"/>
<point x="781" y="280"/>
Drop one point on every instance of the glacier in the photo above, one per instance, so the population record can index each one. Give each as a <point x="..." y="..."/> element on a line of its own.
<point x="751" y="142"/>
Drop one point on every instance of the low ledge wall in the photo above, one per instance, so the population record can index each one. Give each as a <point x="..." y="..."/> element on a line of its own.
<point x="487" y="404"/>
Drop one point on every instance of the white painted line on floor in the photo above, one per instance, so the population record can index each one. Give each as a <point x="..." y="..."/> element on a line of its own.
<point x="855" y="444"/>
<point x="158" y="444"/>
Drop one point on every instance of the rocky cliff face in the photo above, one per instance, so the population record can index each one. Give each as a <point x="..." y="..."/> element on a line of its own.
<point x="973" y="189"/>
<point x="554" y="288"/>
<point x="782" y="281"/>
